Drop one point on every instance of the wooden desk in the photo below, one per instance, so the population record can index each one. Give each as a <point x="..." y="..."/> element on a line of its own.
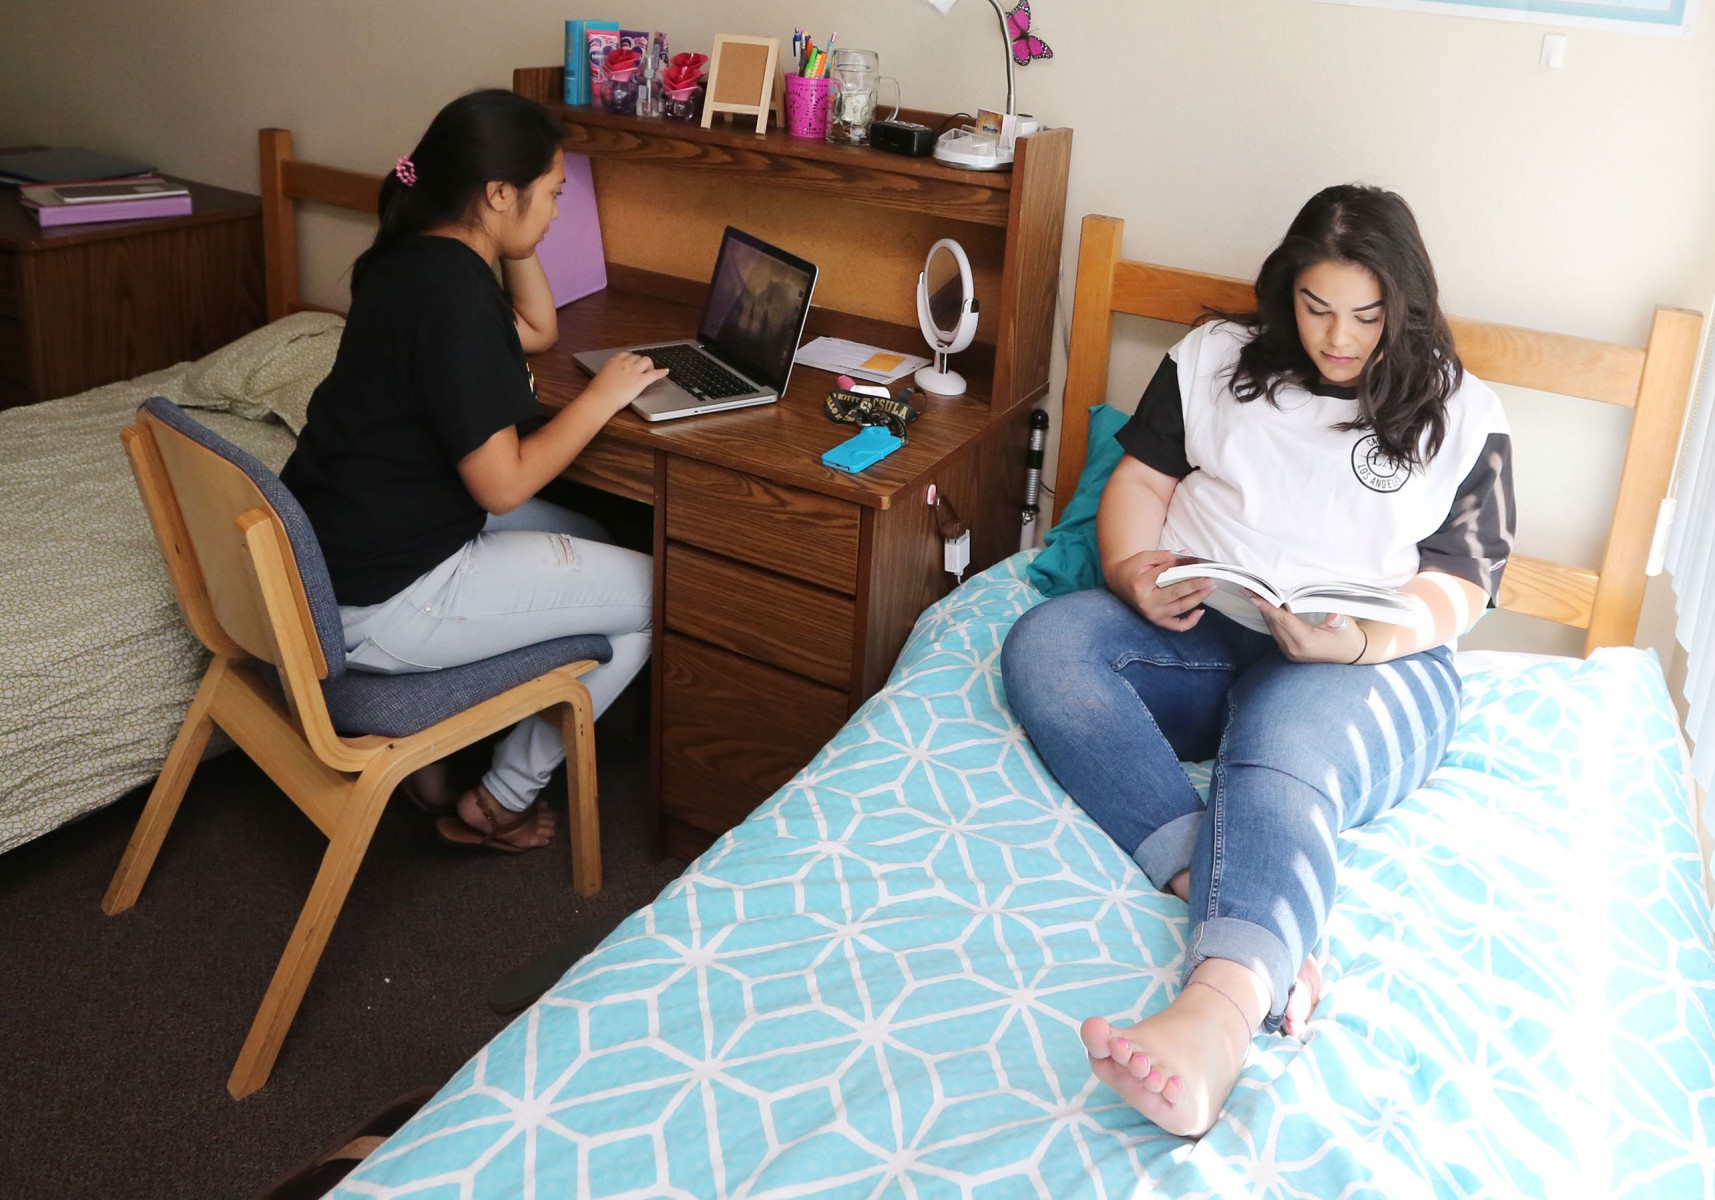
<point x="785" y="590"/>
<point x="84" y="305"/>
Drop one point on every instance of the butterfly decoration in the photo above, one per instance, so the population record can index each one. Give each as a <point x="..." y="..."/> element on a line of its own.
<point x="1025" y="45"/>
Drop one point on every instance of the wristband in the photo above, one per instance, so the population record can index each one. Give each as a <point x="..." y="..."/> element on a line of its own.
<point x="1366" y="648"/>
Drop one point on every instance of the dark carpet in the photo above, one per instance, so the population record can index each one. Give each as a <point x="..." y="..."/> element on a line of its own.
<point x="119" y="1032"/>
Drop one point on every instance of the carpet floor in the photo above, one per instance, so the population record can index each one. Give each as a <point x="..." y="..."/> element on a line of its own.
<point x="119" y="1033"/>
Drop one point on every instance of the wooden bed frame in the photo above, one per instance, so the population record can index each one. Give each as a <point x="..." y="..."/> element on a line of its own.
<point x="1652" y="380"/>
<point x="285" y="181"/>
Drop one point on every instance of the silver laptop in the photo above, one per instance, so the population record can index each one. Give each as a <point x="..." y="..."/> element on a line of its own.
<point x="742" y="354"/>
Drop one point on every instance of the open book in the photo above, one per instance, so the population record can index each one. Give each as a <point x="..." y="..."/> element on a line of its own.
<point x="1312" y="601"/>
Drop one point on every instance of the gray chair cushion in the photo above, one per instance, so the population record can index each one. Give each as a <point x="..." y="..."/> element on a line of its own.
<point x="361" y="702"/>
<point x="400" y="705"/>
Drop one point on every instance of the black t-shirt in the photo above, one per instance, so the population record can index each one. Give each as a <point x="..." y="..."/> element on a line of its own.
<point x="429" y="368"/>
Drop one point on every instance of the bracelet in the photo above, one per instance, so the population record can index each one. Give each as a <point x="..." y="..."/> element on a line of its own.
<point x="1366" y="648"/>
<point x="1228" y="996"/>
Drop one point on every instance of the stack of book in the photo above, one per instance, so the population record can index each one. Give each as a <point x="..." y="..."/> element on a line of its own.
<point x="72" y="186"/>
<point x="105" y="200"/>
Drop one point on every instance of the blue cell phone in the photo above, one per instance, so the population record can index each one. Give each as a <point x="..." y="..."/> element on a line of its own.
<point x="870" y="446"/>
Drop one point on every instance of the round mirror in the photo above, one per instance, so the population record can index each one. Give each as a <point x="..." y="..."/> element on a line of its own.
<point x="947" y="314"/>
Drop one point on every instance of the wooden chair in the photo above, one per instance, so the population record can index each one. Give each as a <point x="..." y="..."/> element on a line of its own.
<point x="254" y="589"/>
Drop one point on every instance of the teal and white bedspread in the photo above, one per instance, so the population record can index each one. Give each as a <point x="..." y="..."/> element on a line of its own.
<point x="872" y="987"/>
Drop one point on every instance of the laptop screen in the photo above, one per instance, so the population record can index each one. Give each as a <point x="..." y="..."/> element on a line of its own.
<point x="758" y="300"/>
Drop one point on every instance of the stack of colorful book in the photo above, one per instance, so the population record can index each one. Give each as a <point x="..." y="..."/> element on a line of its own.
<point x="68" y="185"/>
<point x="129" y="199"/>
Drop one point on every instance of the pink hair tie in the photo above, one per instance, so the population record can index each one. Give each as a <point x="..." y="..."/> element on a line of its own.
<point x="405" y="170"/>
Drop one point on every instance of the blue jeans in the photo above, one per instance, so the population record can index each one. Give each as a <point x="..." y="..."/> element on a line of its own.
<point x="1302" y="751"/>
<point x="538" y="573"/>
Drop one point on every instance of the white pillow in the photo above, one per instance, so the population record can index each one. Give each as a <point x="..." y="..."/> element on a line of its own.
<point x="270" y="371"/>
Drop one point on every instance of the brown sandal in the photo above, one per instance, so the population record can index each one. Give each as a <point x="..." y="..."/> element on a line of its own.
<point x="454" y="831"/>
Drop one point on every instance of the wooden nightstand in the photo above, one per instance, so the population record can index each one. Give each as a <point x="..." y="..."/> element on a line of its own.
<point x="84" y="305"/>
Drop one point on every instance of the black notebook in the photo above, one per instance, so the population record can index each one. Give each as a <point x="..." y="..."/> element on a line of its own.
<point x="67" y="164"/>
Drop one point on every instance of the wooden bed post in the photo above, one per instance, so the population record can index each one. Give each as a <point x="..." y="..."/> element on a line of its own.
<point x="1662" y="392"/>
<point x="279" y="222"/>
<point x="1087" y="360"/>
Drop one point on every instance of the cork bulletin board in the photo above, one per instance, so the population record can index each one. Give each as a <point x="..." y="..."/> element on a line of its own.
<point x="741" y="78"/>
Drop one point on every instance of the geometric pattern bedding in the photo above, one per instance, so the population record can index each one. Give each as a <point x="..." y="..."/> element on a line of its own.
<point x="872" y="987"/>
<point x="97" y="667"/>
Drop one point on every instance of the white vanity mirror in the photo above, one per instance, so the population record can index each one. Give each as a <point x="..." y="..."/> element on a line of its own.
<point x="947" y="313"/>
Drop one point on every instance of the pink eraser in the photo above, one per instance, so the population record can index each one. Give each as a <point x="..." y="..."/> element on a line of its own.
<point x="847" y="382"/>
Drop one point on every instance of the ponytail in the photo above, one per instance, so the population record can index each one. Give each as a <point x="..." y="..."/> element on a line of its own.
<point x="489" y="136"/>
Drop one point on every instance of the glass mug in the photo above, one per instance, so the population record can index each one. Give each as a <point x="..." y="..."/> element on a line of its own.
<point x="855" y="78"/>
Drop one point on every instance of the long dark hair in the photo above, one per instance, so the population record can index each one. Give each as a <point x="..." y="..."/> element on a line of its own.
<point x="1405" y="385"/>
<point x="489" y="136"/>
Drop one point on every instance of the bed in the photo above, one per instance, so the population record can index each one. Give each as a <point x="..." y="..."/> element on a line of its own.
<point x="872" y="986"/>
<point x="96" y="665"/>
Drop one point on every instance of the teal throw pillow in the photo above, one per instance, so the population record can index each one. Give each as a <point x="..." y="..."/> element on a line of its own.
<point x="1069" y="561"/>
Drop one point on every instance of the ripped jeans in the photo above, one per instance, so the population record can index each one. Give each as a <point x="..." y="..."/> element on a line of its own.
<point x="1302" y="751"/>
<point x="535" y="574"/>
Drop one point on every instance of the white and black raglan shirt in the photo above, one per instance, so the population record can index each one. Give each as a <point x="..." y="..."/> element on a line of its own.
<point x="1276" y="488"/>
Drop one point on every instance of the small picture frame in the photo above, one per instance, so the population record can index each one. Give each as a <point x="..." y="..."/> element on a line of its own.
<point x="743" y="78"/>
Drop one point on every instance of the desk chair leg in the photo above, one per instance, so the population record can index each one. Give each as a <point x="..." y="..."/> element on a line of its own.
<point x="164" y="797"/>
<point x="577" y="726"/>
<point x="363" y="808"/>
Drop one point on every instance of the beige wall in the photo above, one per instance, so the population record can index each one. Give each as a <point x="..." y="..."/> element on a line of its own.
<point x="1571" y="200"/>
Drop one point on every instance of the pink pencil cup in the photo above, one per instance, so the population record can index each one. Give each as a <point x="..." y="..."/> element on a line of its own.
<point x="806" y="106"/>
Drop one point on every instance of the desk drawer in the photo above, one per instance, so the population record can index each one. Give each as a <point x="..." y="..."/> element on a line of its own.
<point x="734" y="731"/>
<point x="779" y="621"/>
<point x="10" y="269"/>
<point x="801" y="534"/>
<point x="616" y="467"/>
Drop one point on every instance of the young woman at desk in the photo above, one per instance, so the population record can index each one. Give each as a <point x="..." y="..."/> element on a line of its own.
<point x="413" y="471"/>
<point x="1332" y="435"/>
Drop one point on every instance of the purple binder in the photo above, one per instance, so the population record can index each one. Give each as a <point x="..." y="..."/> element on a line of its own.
<point x="571" y="254"/>
<point x="112" y="210"/>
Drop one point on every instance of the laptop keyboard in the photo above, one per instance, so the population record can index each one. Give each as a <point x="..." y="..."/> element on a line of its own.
<point x="696" y="372"/>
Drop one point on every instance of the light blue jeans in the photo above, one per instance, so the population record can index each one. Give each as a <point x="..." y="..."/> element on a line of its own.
<point x="1113" y="704"/>
<point x="538" y="573"/>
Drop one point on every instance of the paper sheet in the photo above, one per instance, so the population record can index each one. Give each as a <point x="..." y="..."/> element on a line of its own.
<point x="857" y="359"/>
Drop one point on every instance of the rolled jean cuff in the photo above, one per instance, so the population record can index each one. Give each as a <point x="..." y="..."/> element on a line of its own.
<point x="504" y="792"/>
<point x="1251" y="946"/>
<point x="1167" y="851"/>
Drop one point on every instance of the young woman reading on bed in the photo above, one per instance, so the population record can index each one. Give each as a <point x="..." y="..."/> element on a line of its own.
<point x="1332" y="435"/>
<point x="413" y="470"/>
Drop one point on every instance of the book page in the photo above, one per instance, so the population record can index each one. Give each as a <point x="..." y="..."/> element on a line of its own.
<point x="1227" y="577"/>
<point x="1357" y="600"/>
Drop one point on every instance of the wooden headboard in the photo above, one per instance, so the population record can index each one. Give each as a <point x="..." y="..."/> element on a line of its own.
<point x="1652" y="380"/>
<point x="285" y="181"/>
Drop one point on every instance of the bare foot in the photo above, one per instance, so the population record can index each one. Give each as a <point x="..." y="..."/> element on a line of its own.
<point x="1177" y="1067"/>
<point x="1301" y="1003"/>
<point x="1303" y="1000"/>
